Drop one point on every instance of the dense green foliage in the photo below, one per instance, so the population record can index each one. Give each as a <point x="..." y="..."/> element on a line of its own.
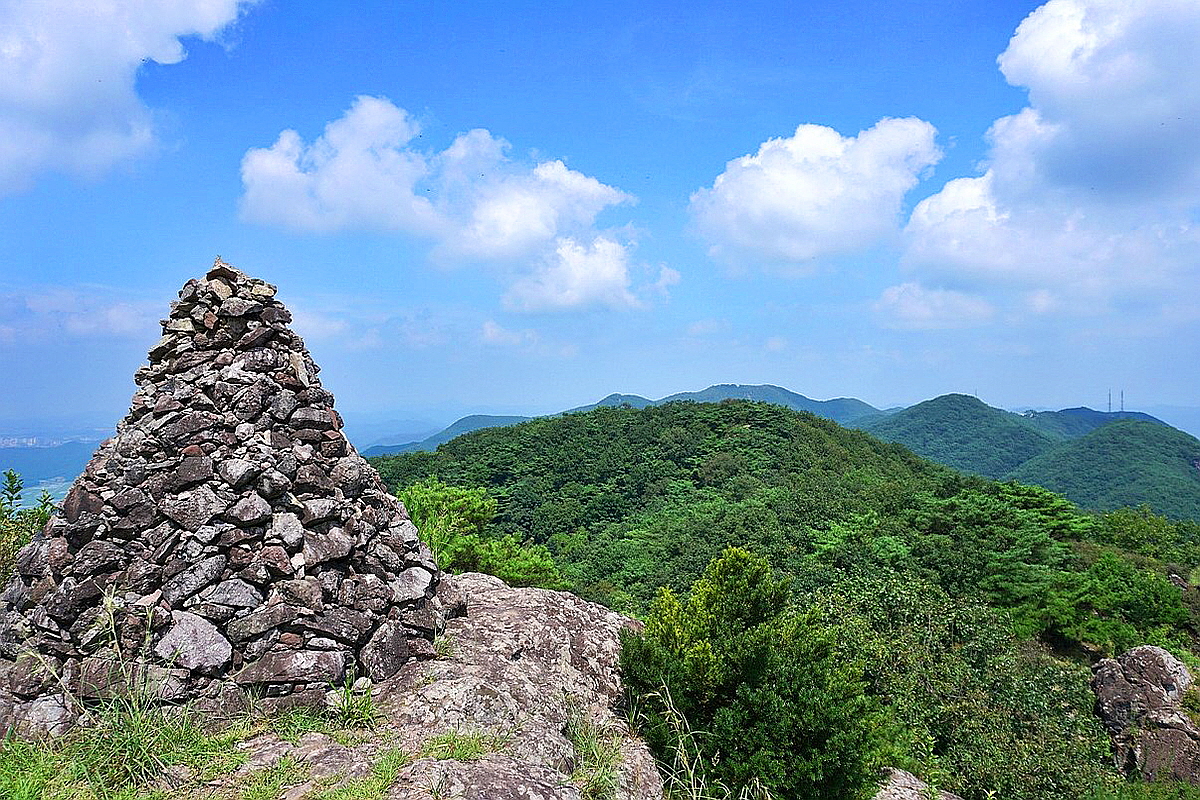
<point x="958" y="613"/>
<point x="964" y="433"/>
<point x="628" y="500"/>
<point x="1122" y="464"/>
<point x="774" y="698"/>
<point x="453" y="522"/>
<point x="17" y="524"/>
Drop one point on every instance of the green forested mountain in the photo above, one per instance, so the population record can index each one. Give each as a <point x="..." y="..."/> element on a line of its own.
<point x="1123" y="464"/>
<point x="937" y="620"/>
<point x="965" y="433"/>
<point x="614" y="400"/>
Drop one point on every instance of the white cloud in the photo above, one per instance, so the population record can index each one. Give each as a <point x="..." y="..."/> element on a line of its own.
<point x="577" y="276"/>
<point x="68" y="98"/>
<point x="357" y="174"/>
<point x="512" y="215"/>
<point x="912" y="306"/>
<point x="363" y="173"/>
<point x="1091" y="193"/>
<point x="471" y="200"/>
<point x="815" y="194"/>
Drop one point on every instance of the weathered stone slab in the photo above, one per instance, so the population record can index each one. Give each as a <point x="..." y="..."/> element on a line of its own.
<point x="313" y="666"/>
<point x="195" y="644"/>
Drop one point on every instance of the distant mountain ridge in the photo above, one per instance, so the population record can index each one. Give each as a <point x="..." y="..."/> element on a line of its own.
<point x="1100" y="460"/>
<point x="1127" y="462"/>
<point x="1049" y="448"/>
<point x="1070" y="423"/>
<point x="841" y="410"/>
<point x="963" y="432"/>
<point x="465" y="425"/>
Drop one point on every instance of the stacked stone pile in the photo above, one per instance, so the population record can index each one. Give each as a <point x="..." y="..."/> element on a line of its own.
<point x="228" y="538"/>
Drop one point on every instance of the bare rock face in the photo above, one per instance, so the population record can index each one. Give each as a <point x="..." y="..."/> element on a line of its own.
<point x="1139" y="700"/>
<point x="512" y="672"/>
<point x="227" y="538"/>
<point x="901" y="785"/>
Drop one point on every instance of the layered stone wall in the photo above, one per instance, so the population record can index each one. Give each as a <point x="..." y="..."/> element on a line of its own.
<point x="227" y="538"/>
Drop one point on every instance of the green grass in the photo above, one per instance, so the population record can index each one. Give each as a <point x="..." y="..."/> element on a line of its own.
<point x="266" y="784"/>
<point x="295" y="722"/>
<point x="355" y="707"/>
<point x="462" y="745"/>
<point x="597" y="757"/>
<point x="444" y="646"/>
<point x="132" y="743"/>
<point x="118" y="758"/>
<point x="376" y="785"/>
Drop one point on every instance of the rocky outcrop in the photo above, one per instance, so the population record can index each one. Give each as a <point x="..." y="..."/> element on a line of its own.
<point x="901" y="785"/>
<point x="227" y="539"/>
<point x="1139" y="699"/>
<point x="517" y="673"/>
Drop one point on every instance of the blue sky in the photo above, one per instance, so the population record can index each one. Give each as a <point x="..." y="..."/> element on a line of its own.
<point x="522" y="207"/>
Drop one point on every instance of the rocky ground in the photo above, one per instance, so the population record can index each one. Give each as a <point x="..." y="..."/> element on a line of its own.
<point x="489" y="717"/>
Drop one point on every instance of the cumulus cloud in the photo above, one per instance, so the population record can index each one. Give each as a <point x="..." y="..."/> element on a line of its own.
<point x="357" y="174"/>
<point x="68" y="98"/>
<point x="815" y="194"/>
<point x="472" y="201"/>
<point x="512" y="215"/>
<point x="912" y="306"/>
<point x="1091" y="192"/>
<point x="577" y="275"/>
<point x="363" y="173"/>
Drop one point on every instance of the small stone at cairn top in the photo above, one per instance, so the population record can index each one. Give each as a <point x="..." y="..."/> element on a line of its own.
<point x="227" y="538"/>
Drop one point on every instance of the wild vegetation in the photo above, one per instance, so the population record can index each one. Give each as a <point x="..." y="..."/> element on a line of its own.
<point x="944" y="621"/>
<point x="18" y="524"/>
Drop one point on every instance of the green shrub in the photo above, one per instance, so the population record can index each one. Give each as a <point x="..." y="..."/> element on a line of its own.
<point x="976" y="709"/>
<point x="454" y="522"/>
<point x="770" y="696"/>
<point x="18" y="525"/>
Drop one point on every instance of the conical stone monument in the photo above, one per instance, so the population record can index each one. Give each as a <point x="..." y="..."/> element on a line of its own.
<point x="227" y="540"/>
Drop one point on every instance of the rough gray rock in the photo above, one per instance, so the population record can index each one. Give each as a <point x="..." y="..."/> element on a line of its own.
<point x="901" y="785"/>
<point x="514" y="669"/>
<point x="1139" y="698"/>
<point x="218" y="530"/>
<point x="194" y="643"/>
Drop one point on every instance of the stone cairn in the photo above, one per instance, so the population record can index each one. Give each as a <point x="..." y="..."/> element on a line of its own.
<point x="227" y="541"/>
